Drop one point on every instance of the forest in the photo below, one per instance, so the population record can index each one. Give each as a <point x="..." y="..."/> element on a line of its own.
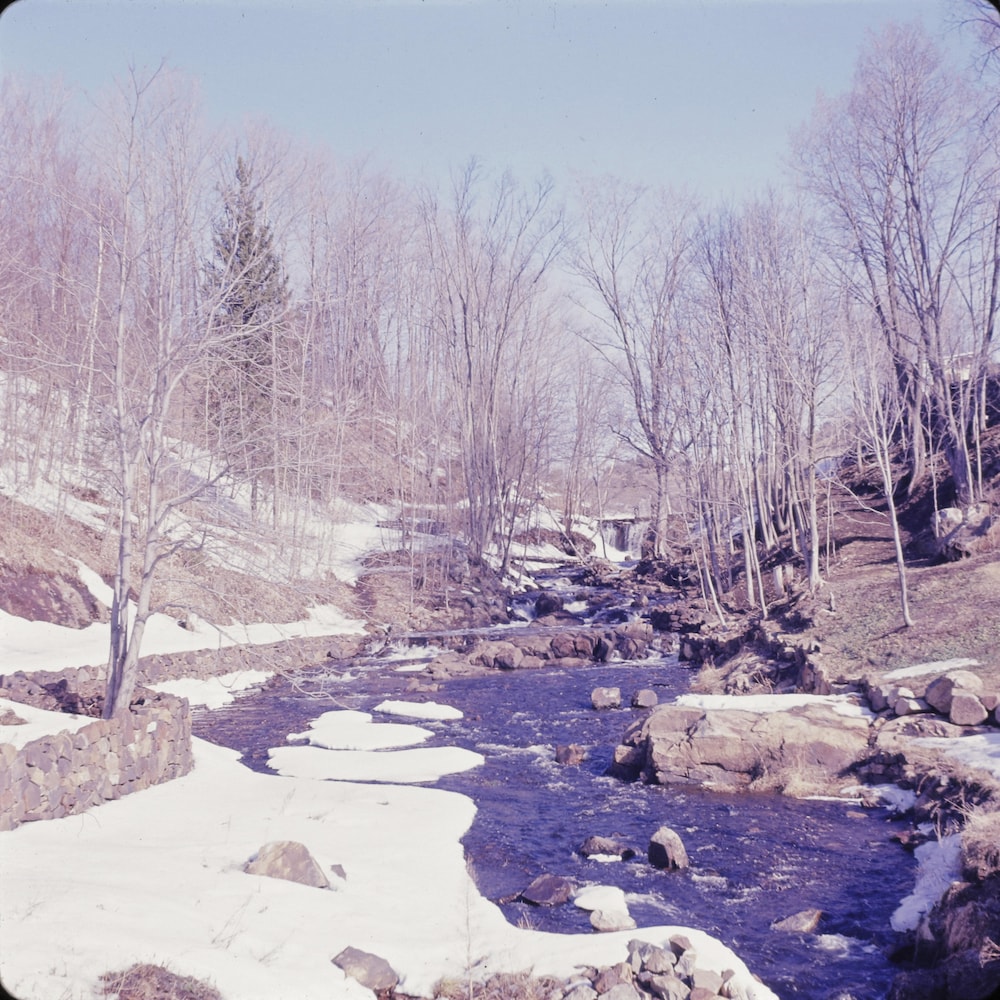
<point x="189" y="315"/>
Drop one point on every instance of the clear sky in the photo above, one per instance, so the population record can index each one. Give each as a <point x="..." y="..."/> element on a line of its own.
<point x="700" y="93"/>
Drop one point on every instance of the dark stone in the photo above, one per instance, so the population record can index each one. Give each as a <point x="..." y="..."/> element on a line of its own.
<point x="666" y="850"/>
<point x="548" y="890"/>
<point x="607" y="846"/>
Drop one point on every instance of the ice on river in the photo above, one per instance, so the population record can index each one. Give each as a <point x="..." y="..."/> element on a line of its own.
<point x="397" y="766"/>
<point x="349" y="730"/>
<point x="419" y="710"/>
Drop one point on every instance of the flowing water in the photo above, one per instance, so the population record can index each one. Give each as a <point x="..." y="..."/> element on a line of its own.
<point x="754" y="858"/>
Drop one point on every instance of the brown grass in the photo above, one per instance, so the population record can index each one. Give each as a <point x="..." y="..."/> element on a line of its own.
<point x="154" y="982"/>
<point x="501" y="986"/>
<point x="981" y="845"/>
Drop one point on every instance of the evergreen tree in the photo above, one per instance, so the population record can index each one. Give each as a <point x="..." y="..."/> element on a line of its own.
<point x="248" y="293"/>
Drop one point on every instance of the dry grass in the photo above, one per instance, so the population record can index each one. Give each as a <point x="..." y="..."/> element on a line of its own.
<point x="154" y="982"/>
<point x="502" y="986"/>
<point x="981" y="845"/>
<point x="956" y="607"/>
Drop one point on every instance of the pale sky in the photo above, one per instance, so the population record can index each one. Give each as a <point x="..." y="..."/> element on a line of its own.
<point x="696" y="93"/>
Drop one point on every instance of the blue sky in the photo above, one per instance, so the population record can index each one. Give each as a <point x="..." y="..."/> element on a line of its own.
<point x="700" y="93"/>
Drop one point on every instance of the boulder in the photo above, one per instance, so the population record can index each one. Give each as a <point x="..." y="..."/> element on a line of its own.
<point x="606" y="847"/>
<point x="289" y="860"/>
<point x="803" y="750"/>
<point x="372" y="972"/>
<point x="548" y="890"/>
<point x="940" y="692"/>
<point x="666" y="850"/>
<point x="967" y="709"/>
<point x="547" y="603"/>
<point x="611" y="921"/>
<point x="804" y="922"/>
<point x="646" y="698"/>
<point x="606" y="697"/>
<point x="961" y="533"/>
<point x="499" y="655"/>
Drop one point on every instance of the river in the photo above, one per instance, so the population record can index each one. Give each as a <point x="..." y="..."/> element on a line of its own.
<point x="755" y="858"/>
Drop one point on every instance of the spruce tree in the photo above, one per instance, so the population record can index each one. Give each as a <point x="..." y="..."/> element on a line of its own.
<point x="248" y="292"/>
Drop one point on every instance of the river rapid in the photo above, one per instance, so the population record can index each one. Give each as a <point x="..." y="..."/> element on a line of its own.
<point x="755" y="859"/>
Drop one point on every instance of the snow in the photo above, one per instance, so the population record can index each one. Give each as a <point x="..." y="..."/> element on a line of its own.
<point x="37" y="723"/>
<point x="419" y="710"/>
<point x="981" y="750"/>
<point x="608" y="898"/>
<point x="937" y="667"/>
<point x="763" y="703"/>
<point x="345" y="729"/>
<point x="401" y="766"/>
<point x="939" y="866"/>
<point x="213" y="692"/>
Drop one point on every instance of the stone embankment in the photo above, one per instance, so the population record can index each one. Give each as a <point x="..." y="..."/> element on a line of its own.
<point x="552" y="647"/>
<point x="69" y="772"/>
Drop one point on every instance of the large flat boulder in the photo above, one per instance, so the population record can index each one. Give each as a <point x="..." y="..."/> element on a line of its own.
<point x="801" y="751"/>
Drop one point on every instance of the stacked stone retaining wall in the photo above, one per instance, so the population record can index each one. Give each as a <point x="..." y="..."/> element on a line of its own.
<point x="69" y="772"/>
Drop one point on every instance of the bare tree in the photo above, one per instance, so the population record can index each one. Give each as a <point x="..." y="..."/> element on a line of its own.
<point x="153" y="156"/>
<point x="877" y="414"/>
<point x="487" y="263"/>
<point x="633" y="255"/>
<point x="909" y="178"/>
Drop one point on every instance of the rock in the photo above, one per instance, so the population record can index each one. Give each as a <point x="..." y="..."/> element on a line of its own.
<point x="659" y="961"/>
<point x="499" y="655"/>
<point x="623" y="991"/>
<point x="667" y="987"/>
<point x="573" y="753"/>
<point x="372" y="972"/>
<point x="940" y="692"/>
<point x="959" y="534"/>
<point x="607" y="979"/>
<point x="606" y="697"/>
<point x="804" y="750"/>
<point x="666" y="850"/>
<point x="967" y="709"/>
<point x="547" y="603"/>
<point x="804" y="922"/>
<point x="908" y="705"/>
<point x="581" y="992"/>
<point x="608" y="921"/>
<point x="290" y="860"/>
<point x="646" y="698"/>
<point x="706" y="979"/>
<point x="548" y="890"/>
<point x="606" y="846"/>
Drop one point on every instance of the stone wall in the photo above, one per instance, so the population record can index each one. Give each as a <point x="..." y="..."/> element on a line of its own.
<point x="69" y="772"/>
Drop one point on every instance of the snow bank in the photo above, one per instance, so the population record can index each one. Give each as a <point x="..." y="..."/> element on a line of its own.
<point x="157" y="877"/>
<point x="764" y="703"/>
<point x="348" y="730"/>
<point x="400" y="766"/>
<point x="939" y="865"/>
<point x="419" y="710"/>
<point x="213" y="692"/>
